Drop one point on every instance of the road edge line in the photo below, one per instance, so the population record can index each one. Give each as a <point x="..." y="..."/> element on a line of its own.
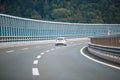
<point x="100" y="62"/>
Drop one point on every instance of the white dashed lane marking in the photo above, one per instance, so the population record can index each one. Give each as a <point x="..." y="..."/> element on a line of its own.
<point x="35" y="72"/>
<point x="42" y="53"/>
<point x="10" y="51"/>
<point x="38" y="57"/>
<point x="35" y="62"/>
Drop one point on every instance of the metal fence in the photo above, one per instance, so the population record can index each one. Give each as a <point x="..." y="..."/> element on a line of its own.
<point x="111" y="40"/>
<point x="16" y="29"/>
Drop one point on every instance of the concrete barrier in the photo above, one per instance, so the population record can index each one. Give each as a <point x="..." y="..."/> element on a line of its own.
<point x="109" y="40"/>
<point x="106" y="47"/>
<point x="105" y="55"/>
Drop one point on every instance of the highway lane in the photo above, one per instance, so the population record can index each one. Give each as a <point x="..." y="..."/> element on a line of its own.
<point x="52" y="63"/>
<point x="17" y="65"/>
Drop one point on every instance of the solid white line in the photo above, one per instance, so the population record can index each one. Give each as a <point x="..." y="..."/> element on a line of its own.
<point x="38" y="57"/>
<point x="42" y="53"/>
<point x="35" y="72"/>
<point x="35" y="62"/>
<point x="100" y="62"/>
<point x="24" y="48"/>
<point x="10" y="51"/>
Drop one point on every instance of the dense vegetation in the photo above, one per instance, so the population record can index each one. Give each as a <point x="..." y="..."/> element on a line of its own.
<point x="79" y="11"/>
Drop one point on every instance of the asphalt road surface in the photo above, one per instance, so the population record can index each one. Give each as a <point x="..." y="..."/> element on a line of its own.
<point x="50" y="62"/>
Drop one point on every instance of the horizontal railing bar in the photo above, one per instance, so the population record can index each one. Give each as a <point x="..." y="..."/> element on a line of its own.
<point x="108" y="49"/>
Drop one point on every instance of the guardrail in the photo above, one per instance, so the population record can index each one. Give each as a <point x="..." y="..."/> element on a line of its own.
<point x="115" y="50"/>
<point x="102" y="49"/>
<point x="36" y="38"/>
<point x="35" y="43"/>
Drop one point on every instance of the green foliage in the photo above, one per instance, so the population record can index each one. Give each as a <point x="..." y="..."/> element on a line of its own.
<point x="78" y="11"/>
<point x="60" y="13"/>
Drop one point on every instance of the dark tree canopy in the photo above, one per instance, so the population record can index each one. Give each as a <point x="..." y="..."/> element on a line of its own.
<point x="77" y="11"/>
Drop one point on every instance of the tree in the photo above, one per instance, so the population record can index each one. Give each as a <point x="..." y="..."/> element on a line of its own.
<point x="35" y="15"/>
<point x="86" y="11"/>
<point x="60" y="13"/>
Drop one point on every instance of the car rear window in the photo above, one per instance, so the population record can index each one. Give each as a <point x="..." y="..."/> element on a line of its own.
<point x="60" y="39"/>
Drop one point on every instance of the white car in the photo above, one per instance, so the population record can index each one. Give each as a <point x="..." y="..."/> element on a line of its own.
<point x="61" y="41"/>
